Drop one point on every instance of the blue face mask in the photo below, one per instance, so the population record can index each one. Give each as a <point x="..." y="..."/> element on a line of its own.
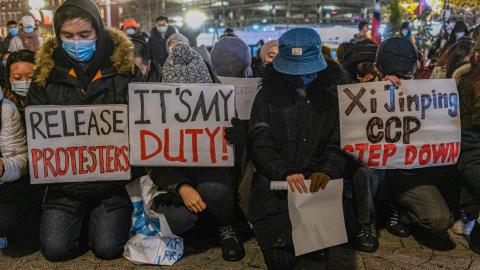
<point x="162" y="29"/>
<point x="460" y="35"/>
<point x="306" y="80"/>
<point x="28" y="30"/>
<point x="80" y="50"/>
<point x="131" y="31"/>
<point x="13" y="31"/>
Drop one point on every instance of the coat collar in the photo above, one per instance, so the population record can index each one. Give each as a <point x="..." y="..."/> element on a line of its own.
<point x="279" y="91"/>
<point x="122" y="57"/>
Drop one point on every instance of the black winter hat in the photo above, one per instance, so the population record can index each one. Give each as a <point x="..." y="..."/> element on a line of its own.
<point x="396" y="56"/>
<point x="86" y="5"/>
<point x="362" y="51"/>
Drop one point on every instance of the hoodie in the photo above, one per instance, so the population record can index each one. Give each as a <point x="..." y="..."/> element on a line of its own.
<point x="85" y="74"/>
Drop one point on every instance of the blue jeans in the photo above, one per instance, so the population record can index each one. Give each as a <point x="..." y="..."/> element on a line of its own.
<point x="61" y="235"/>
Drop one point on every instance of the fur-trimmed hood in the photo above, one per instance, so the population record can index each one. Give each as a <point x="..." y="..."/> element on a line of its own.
<point x="462" y="70"/>
<point x="279" y="90"/>
<point x="122" y="57"/>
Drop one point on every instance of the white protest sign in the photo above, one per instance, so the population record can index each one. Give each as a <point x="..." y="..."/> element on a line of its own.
<point x="245" y="91"/>
<point x="413" y="126"/>
<point x="317" y="218"/>
<point x="77" y="143"/>
<point x="180" y="124"/>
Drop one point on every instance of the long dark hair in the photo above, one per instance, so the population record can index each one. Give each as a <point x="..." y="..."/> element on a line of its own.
<point x="17" y="57"/>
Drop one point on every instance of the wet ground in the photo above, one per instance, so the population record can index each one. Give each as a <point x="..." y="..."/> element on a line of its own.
<point x="394" y="253"/>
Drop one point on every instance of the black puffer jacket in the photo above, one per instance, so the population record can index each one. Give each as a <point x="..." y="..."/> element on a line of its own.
<point x="469" y="161"/>
<point x="58" y="82"/>
<point x="291" y="134"/>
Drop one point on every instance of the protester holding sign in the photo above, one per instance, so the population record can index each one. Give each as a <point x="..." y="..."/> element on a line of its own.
<point x="415" y="191"/>
<point x="193" y="191"/>
<point x="71" y="72"/>
<point x="294" y="133"/>
<point x="13" y="164"/>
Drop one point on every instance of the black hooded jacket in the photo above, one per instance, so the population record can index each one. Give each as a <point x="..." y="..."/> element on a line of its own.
<point x="290" y="133"/>
<point x="158" y="44"/>
<point x="59" y="81"/>
<point x="293" y="134"/>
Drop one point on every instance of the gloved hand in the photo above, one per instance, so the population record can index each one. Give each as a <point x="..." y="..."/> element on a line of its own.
<point x="238" y="133"/>
<point x="319" y="180"/>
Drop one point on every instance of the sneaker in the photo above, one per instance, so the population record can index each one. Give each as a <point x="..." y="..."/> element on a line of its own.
<point x="394" y="226"/>
<point x="474" y="238"/>
<point x="464" y="224"/>
<point x="232" y="248"/>
<point x="367" y="239"/>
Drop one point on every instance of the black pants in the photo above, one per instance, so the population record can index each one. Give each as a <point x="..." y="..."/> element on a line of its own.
<point x="366" y="183"/>
<point x="13" y="197"/>
<point x="215" y="186"/>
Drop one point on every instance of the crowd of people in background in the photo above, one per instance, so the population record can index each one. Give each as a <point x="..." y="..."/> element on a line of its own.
<point x="293" y="134"/>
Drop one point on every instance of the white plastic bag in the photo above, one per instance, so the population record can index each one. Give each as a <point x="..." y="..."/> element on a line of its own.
<point x="153" y="242"/>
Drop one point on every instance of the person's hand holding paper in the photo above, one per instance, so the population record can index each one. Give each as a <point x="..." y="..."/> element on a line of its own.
<point x="319" y="180"/>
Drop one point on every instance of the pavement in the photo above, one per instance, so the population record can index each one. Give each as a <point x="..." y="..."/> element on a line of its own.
<point x="394" y="253"/>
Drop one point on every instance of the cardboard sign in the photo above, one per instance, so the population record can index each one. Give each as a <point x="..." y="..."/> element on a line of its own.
<point x="245" y="91"/>
<point x="77" y="143"/>
<point x="180" y="124"/>
<point x="413" y="126"/>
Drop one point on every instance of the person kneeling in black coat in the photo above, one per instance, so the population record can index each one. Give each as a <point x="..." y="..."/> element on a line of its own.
<point x="293" y="136"/>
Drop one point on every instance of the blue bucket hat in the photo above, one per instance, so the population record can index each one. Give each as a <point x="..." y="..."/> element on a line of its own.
<point x="300" y="53"/>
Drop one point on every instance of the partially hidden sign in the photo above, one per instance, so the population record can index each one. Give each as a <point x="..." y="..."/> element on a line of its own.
<point x="245" y="91"/>
<point x="77" y="143"/>
<point x="180" y="124"/>
<point x="411" y="126"/>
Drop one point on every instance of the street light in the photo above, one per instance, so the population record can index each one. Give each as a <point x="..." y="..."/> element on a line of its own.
<point x="36" y="4"/>
<point x="195" y="18"/>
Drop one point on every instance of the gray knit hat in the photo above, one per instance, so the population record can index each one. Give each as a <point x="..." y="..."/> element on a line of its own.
<point x="177" y="37"/>
<point x="231" y="57"/>
<point x="184" y="65"/>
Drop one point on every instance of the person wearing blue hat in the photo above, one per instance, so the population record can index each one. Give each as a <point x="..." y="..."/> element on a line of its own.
<point x="293" y="136"/>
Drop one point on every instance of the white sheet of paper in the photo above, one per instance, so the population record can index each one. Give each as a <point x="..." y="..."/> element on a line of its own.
<point x="317" y="218"/>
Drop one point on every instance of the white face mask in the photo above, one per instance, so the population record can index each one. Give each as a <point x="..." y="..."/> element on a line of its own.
<point x="404" y="32"/>
<point x="20" y="87"/>
<point x="162" y="29"/>
<point x="460" y="35"/>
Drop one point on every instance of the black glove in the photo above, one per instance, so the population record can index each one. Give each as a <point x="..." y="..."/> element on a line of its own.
<point x="238" y="133"/>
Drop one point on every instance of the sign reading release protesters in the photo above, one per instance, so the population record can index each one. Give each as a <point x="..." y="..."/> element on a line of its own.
<point x="413" y="126"/>
<point x="77" y="143"/>
<point x="180" y="124"/>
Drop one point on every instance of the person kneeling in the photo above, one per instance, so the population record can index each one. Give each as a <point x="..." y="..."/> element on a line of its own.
<point x="194" y="191"/>
<point x="294" y="135"/>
